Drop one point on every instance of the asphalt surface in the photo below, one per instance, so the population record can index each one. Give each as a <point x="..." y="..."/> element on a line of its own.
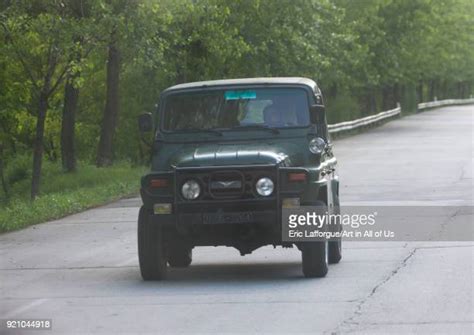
<point x="82" y="271"/>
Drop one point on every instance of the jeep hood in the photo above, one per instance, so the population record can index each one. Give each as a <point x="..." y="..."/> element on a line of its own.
<point x="283" y="153"/>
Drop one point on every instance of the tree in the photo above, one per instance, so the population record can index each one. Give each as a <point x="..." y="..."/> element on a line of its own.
<point x="363" y="54"/>
<point x="38" y="37"/>
<point x="111" y="110"/>
<point x="78" y="10"/>
<point x="117" y="18"/>
<point x="133" y="32"/>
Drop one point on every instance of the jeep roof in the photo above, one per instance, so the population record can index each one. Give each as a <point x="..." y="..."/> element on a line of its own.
<point x="246" y="81"/>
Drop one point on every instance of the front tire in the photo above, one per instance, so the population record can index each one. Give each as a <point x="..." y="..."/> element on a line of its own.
<point x="335" y="251"/>
<point x="315" y="259"/>
<point x="151" y="248"/>
<point x="180" y="257"/>
<point x="335" y="247"/>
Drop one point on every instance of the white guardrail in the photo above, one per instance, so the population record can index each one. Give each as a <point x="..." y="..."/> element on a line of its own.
<point x="365" y="121"/>
<point x="373" y="119"/>
<point x="440" y="103"/>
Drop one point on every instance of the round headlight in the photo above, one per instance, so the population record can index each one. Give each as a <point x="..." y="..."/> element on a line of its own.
<point x="191" y="189"/>
<point x="317" y="145"/>
<point x="264" y="186"/>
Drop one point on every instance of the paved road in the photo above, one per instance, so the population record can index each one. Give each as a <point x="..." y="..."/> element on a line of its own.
<point x="82" y="271"/>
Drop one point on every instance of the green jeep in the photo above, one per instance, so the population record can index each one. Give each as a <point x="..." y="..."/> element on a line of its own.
<point x="228" y="155"/>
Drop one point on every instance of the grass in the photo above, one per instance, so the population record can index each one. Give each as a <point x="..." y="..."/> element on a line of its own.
<point x="67" y="193"/>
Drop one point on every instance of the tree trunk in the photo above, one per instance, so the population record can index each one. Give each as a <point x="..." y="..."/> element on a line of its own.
<point x="109" y="121"/>
<point x="387" y="98"/>
<point x="68" y="155"/>
<point x="38" y="144"/>
<point x="396" y="95"/>
<point x="444" y="90"/>
<point x="420" y="91"/>
<point x="365" y="104"/>
<point x="71" y="97"/>
<point x="333" y="91"/>
<point x="431" y="90"/>
<point x="2" y="174"/>
<point x="460" y="90"/>
<point x="373" y="102"/>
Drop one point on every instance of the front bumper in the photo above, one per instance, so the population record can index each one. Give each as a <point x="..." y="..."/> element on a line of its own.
<point x="260" y="210"/>
<point x="218" y="218"/>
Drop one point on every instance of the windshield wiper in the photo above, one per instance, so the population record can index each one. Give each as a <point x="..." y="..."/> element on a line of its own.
<point x="197" y="130"/>
<point x="257" y="126"/>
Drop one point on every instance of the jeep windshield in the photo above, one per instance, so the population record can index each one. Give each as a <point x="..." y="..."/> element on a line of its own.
<point x="236" y="109"/>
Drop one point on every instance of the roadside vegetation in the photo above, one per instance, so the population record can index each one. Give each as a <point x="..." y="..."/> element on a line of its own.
<point x="75" y="74"/>
<point x="63" y="193"/>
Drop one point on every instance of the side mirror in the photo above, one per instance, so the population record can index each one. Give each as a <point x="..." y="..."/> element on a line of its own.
<point x="145" y="123"/>
<point x="317" y="114"/>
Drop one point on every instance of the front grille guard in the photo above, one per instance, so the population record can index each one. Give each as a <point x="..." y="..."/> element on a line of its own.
<point x="182" y="174"/>
<point x="175" y="196"/>
<point x="179" y="202"/>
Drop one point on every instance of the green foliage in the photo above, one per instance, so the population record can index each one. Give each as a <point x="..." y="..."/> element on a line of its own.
<point x="367" y="55"/>
<point x="356" y="50"/>
<point x="342" y="108"/>
<point x="66" y="193"/>
<point x="18" y="169"/>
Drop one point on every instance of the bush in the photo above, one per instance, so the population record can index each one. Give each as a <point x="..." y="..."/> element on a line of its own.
<point x="343" y="108"/>
<point x="17" y="169"/>
<point x="66" y="193"/>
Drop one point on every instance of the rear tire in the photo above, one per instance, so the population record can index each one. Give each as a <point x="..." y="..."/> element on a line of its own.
<point x="335" y="251"/>
<point x="335" y="247"/>
<point x="151" y="248"/>
<point x="180" y="257"/>
<point x="315" y="259"/>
